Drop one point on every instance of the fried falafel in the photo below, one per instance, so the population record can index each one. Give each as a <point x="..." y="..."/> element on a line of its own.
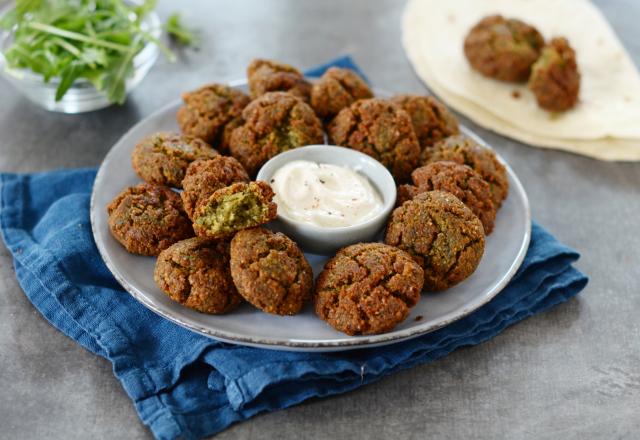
<point x="204" y="177"/>
<point x="147" y="218"/>
<point x="336" y="89"/>
<point x="368" y="288"/>
<point x="503" y="48"/>
<point x="442" y="235"/>
<point x="555" y="80"/>
<point x="464" y="150"/>
<point x="380" y="129"/>
<point x="272" y="76"/>
<point x="196" y="273"/>
<point x="431" y="120"/>
<point x="461" y="181"/>
<point x="233" y="208"/>
<point x="162" y="158"/>
<point x="207" y="111"/>
<point x="270" y="271"/>
<point x="273" y="123"/>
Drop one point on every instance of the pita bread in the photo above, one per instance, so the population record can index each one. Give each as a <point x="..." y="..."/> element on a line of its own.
<point x="606" y="117"/>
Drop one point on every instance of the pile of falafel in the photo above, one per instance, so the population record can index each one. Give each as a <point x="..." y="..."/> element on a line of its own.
<point x="212" y="249"/>
<point x="508" y="49"/>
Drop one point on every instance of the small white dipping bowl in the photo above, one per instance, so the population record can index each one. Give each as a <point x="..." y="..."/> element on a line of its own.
<point x="326" y="240"/>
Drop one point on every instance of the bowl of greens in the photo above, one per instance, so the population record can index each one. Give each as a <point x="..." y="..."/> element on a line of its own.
<point x="75" y="56"/>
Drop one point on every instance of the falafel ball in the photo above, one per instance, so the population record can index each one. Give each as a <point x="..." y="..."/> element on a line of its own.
<point x="368" y="288"/>
<point x="273" y="123"/>
<point x="233" y="208"/>
<point x="196" y="274"/>
<point x="162" y="158"/>
<point x="147" y="218"/>
<point x="270" y="271"/>
<point x="431" y="120"/>
<point x="464" y="150"/>
<point x="336" y="89"/>
<point x="207" y="111"/>
<point x="462" y="182"/>
<point x="204" y="177"/>
<point x="555" y="80"/>
<point x="380" y="129"/>
<point x="503" y="48"/>
<point x="444" y="236"/>
<point x="272" y="76"/>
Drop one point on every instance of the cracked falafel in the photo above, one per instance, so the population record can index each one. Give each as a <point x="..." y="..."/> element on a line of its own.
<point x="336" y="89"/>
<point x="273" y="123"/>
<point x="368" y="288"/>
<point x="204" y="177"/>
<point x="270" y="271"/>
<point x="208" y="110"/>
<point x="233" y="208"/>
<point x="196" y="274"/>
<point x="162" y="158"/>
<point x="503" y="48"/>
<point x="147" y="218"/>
<point x="442" y="235"/>
<point x="380" y="129"/>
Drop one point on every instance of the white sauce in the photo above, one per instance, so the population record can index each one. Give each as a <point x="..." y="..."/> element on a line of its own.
<point x="324" y="195"/>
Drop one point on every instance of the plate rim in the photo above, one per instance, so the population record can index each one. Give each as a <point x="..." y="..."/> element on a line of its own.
<point x="292" y="344"/>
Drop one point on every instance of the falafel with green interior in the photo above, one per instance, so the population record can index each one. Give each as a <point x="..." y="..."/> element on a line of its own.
<point x="555" y="80"/>
<point x="233" y="208"/>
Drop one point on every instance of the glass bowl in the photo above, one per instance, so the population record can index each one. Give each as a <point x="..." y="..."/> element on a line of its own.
<point x="82" y="96"/>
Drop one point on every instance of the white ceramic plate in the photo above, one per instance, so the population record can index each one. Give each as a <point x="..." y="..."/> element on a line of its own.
<point x="505" y="250"/>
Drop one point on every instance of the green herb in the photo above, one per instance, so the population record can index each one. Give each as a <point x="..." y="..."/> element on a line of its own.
<point x="92" y="39"/>
<point x="180" y="32"/>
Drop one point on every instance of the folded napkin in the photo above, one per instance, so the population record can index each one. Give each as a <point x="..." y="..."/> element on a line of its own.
<point x="189" y="386"/>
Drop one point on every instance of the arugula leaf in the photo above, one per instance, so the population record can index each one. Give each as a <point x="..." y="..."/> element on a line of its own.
<point x="68" y="75"/>
<point x="92" y="39"/>
<point x="179" y="31"/>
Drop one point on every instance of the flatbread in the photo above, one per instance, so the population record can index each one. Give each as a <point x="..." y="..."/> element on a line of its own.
<point x="604" y="148"/>
<point x="610" y="90"/>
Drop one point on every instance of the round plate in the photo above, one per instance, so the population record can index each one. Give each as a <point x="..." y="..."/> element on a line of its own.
<point x="504" y="252"/>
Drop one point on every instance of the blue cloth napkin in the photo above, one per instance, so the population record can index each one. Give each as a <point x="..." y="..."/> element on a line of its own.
<point x="186" y="385"/>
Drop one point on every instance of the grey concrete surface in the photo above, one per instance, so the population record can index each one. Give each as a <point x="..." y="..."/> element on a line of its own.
<point x="570" y="373"/>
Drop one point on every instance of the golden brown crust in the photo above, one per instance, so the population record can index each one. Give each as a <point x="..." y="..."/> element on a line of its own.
<point x="273" y="123"/>
<point x="336" y="89"/>
<point x="270" y="271"/>
<point x="461" y="181"/>
<point x="368" y="288"/>
<point x="162" y="158"/>
<point x="196" y="274"/>
<point x="431" y="120"/>
<point x="272" y="76"/>
<point x="147" y="219"/>
<point x="204" y="177"/>
<point x="555" y="80"/>
<point x="464" y="150"/>
<point x="207" y="110"/>
<point x="503" y="49"/>
<point x="380" y="129"/>
<point x="441" y="234"/>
